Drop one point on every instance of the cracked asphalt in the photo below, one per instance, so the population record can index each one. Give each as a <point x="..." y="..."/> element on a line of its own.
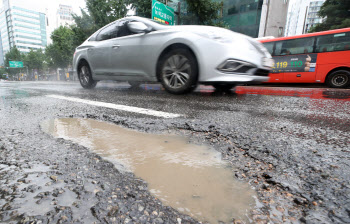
<point x="290" y="144"/>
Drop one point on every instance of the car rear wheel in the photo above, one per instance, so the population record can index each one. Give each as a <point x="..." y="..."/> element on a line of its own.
<point x="179" y="72"/>
<point x="85" y="76"/>
<point x="223" y="87"/>
<point x="339" y="79"/>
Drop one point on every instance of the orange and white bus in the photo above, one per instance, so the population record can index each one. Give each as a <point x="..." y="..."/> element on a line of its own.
<point x="322" y="57"/>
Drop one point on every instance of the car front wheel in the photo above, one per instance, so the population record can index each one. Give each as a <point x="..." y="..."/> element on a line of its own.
<point x="85" y="76"/>
<point x="178" y="71"/>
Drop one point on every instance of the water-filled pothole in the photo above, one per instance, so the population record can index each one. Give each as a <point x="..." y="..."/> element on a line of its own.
<point x="188" y="177"/>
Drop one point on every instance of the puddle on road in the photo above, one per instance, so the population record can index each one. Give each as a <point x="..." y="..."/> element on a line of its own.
<point x="188" y="177"/>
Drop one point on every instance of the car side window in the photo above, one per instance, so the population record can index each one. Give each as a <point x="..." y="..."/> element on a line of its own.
<point x="108" y="33"/>
<point x="123" y="29"/>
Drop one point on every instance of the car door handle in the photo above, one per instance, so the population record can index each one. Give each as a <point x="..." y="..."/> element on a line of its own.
<point x="115" y="46"/>
<point x="89" y="49"/>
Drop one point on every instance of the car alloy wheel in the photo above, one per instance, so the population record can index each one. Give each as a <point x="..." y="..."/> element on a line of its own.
<point x="179" y="71"/>
<point x="176" y="71"/>
<point x="85" y="77"/>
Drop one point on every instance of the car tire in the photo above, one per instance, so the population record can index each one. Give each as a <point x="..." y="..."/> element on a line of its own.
<point x="85" y="76"/>
<point x="223" y="87"/>
<point x="179" y="71"/>
<point x="339" y="79"/>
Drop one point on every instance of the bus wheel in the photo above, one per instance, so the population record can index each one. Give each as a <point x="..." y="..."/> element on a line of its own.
<point x="339" y="79"/>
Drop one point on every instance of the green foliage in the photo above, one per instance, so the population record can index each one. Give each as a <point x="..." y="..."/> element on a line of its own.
<point x="206" y="11"/>
<point x="84" y="27"/>
<point x="34" y="59"/>
<point x="336" y="14"/>
<point x="106" y="11"/>
<point x="13" y="55"/>
<point x="143" y="7"/>
<point x="99" y="13"/>
<point x="60" y="53"/>
<point x="202" y="12"/>
<point x="2" y="72"/>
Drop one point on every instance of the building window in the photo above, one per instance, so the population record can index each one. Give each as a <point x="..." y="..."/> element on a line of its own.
<point x="280" y="31"/>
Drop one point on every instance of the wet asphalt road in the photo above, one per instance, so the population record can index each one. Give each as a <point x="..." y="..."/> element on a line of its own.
<point x="291" y="144"/>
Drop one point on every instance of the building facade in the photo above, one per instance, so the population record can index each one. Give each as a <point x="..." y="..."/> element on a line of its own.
<point x="312" y="17"/>
<point x="302" y="15"/>
<point x="21" y="28"/>
<point x="273" y="18"/>
<point x="64" y="16"/>
<point x="255" y="18"/>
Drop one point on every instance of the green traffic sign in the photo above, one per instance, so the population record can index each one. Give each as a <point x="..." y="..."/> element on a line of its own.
<point x="162" y="13"/>
<point x="16" y="64"/>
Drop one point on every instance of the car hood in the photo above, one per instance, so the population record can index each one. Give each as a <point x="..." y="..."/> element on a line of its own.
<point x="222" y="35"/>
<point x="207" y="30"/>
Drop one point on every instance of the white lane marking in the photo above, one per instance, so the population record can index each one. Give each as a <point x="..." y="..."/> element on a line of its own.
<point x="118" y="107"/>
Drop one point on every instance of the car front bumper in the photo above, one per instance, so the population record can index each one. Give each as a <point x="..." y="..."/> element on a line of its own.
<point x="212" y="57"/>
<point x="220" y="77"/>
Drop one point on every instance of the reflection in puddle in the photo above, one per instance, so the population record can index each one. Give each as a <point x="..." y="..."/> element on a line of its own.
<point x="190" y="178"/>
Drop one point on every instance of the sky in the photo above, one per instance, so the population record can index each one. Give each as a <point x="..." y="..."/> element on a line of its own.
<point x="50" y="5"/>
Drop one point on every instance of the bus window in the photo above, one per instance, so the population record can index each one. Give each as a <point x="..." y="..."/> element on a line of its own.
<point x="333" y="42"/>
<point x="296" y="46"/>
<point x="269" y="47"/>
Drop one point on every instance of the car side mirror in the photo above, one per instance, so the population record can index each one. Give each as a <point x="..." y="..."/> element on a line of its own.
<point x="138" y="27"/>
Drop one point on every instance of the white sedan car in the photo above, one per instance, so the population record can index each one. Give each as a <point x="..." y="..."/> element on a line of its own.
<point x="137" y="49"/>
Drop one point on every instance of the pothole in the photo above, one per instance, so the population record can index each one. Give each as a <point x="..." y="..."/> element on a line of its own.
<point x="191" y="178"/>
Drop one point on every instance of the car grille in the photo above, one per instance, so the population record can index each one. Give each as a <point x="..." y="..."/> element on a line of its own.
<point x="262" y="72"/>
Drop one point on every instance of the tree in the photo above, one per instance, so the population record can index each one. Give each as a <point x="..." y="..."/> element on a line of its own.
<point x="106" y="11"/>
<point x="2" y="73"/>
<point x="34" y="59"/>
<point x="336" y="15"/>
<point x="99" y="13"/>
<point x="206" y="11"/>
<point x="202" y="12"/>
<point x="84" y="27"/>
<point x="60" y="53"/>
<point x="143" y="7"/>
<point x="13" y="55"/>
